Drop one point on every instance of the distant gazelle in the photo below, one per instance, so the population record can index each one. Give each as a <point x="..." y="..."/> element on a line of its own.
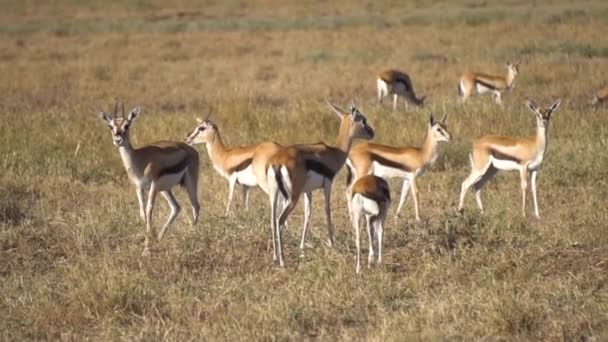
<point x="156" y="167"/>
<point x="234" y="163"/>
<point x="601" y="96"/>
<point x="475" y="82"/>
<point x="397" y="83"/>
<point x="300" y="169"/>
<point x="369" y="197"/>
<point x="492" y="153"/>
<point x="403" y="162"/>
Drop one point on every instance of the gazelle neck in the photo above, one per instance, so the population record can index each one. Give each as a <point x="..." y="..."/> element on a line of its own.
<point x="215" y="147"/>
<point x="127" y="154"/>
<point x="541" y="137"/>
<point x="429" y="148"/>
<point x="344" y="140"/>
<point x="510" y="79"/>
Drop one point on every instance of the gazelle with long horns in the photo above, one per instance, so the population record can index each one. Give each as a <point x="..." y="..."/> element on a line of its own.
<point x="480" y="83"/>
<point x="525" y="155"/>
<point x="369" y="197"/>
<point x="398" y="84"/>
<point x="403" y="162"/>
<point x="155" y="168"/>
<point x="299" y="169"/>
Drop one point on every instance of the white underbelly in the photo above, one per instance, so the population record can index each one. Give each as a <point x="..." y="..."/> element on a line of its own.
<point x="481" y="88"/>
<point x="503" y="164"/>
<point x="387" y="172"/>
<point x="247" y="177"/>
<point x="313" y="181"/>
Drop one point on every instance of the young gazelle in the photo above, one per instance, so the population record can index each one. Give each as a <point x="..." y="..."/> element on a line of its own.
<point x="493" y="153"/>
<point x="156" y="167"/>
<point x="397" y="83"/>
<point x="234" y="164"/>
<point x="475" y="82"/>
<point x="601" y="96"/>
<point x="369" y="197"/>
<point x="298" y="169"/>
<point x="404" y="162"/>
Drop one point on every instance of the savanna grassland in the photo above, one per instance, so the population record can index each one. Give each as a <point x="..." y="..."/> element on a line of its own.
<point x="71" y="236"/>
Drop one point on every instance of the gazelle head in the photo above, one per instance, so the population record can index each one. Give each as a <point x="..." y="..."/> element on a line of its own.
<point x="119" y="126"/>
<point x="543" y="115"/>
<point x="513" y="69"/>
<point x="357" y="123"/>
<point x="439" y="129"/>
<point x="204" y="132"/>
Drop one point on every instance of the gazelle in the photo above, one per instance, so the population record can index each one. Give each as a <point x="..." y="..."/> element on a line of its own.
<point x="601" y="96"/>
<point x="492" y="153"/>
<point x="369" y="197"/>
<point x="397" y="83"/>
<point x="475" y="82"/>
<point x="156" y="167"/>
<point x="299" y="169"/>
<point x="234" y="164"/>
<point x="404" y="162"/>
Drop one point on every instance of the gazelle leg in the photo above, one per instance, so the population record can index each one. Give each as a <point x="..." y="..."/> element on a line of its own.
<point x="140" y="199"/>
<point x="490" y="172"/>
<point x="245" y="197"/>
<point x="370" y="235"/>
<point x="379" y="222"/>
<point x="291" y="204"/>
<point x="414" y="189"/>
<point x="497" y="98"/>
<point x="191" y="189"/>
<point x="231" y="184"/>
<point x="356" y="221"/>
<point x="307" y="216"/>
<point x="404" y="191"/>
<point x="274" y="198"/>
<point x="330" y="227"/>
<point x="175" y="209"/>
<point x="466" y="185"/>
<point x="533" y="183"/>
<point x="395" y="96"/>
<point x="523" y="173"/>
<point x="149" y="207"/>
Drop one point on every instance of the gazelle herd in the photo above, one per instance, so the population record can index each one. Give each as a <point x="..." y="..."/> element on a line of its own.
<point x="286" y="172"/>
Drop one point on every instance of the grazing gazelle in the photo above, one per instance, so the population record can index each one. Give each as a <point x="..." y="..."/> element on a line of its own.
<point x="601" y="96"/>
<point x="234" y="164"/>
<point x="369" y="197"/>
<point x="475" y="82"/>
<point x="298" y="169"/>
<point x="397" y="83"/>
<point x="404" y="162"/>
<point x="492" y="153"/>
<point x="156" y="167"/>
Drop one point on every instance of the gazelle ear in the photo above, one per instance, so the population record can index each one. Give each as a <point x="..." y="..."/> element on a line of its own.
<point x="555" y="105"/>
<point x="133" y="114"/>
<point x="352" y="108"/>
<point x="431" y="120"/>
<point x="533" y="107"/>
<point x="336" y="109"/>
<point x="104" y="117"/>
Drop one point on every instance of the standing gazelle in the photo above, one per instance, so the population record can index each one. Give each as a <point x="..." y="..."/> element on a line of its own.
<point x="234" y="164"/>
<point x="369" y="197"/>
<point x="298" y="169"/>
<point x="492" y="153"/>
<point x="476" y="82"/>
<point x="157" y="167"/>
<point x="397" y="83"/>
<point x="404" y="162"/>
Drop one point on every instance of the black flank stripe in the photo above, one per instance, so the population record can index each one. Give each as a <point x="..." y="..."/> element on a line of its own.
<point x="177" y="168"/>
<point x="502" y="156"/>
<point x="389" y="163"/>
<point x="241" y="166"/>
<point x="320" y="168"/>
<point x="485" y="84"/>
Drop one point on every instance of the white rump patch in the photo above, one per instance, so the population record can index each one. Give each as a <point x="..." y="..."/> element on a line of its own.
<point x="365" y="205"/>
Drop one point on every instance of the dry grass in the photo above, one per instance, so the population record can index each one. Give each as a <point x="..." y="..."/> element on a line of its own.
<point x="70" y="235"/>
